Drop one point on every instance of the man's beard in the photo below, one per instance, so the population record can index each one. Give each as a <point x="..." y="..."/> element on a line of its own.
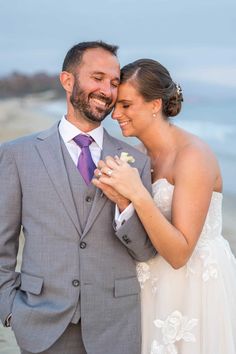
<point x="80" y="102"/>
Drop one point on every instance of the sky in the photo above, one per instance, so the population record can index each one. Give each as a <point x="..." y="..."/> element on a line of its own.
<point x="195" y="40"/>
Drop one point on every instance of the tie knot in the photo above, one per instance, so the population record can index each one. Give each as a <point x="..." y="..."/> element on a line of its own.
<point x="83" y="140"/>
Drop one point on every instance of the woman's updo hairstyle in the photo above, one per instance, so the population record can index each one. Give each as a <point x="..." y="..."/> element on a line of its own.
<point x="153" y="81"/>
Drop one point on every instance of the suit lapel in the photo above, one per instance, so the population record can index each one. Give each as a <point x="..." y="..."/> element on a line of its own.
<point x="111" y="147"/>
<point x="49" y="148"/>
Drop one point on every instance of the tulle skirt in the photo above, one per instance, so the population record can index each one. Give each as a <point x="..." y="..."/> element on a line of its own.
<point x="191" y="310"/>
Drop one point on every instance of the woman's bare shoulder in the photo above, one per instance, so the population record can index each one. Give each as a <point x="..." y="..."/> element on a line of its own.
<point x="193" y="148"/>
<point x="196" y="159"/>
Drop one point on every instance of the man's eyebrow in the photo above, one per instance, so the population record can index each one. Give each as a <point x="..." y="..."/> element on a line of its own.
<point x="102" y="73"/>
<point x="97" y="73"/>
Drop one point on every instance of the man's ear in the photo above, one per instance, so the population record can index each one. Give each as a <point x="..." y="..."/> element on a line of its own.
<point x="67" y="81"/>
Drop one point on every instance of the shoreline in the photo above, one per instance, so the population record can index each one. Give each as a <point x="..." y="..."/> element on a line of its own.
<point x="23" y="116"/>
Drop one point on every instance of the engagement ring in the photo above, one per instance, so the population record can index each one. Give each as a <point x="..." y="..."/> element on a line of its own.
<point x="109" y="172"/>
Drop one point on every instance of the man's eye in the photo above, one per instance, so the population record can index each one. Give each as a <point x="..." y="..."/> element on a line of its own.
<point x="114" y="84"/>
<point x="126" y="105"/>
<point x="97" y="78"/>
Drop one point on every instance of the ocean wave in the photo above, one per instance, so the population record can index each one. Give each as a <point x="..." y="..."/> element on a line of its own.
<point x="210" y="130"/>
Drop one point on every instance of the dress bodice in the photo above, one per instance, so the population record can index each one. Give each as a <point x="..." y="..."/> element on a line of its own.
<point x="163" y="194"/>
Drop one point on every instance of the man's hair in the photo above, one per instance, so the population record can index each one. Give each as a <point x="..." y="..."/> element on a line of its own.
<point x="74" y="56"/>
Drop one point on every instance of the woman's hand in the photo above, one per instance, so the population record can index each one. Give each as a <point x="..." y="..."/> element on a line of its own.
<point x="121" y="202"/>
<point x="118" y="174"/>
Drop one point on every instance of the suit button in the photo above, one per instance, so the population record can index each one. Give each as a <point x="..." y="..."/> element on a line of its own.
<point x="75" y="282"/>
<point x="88" y="199"/>
<point x="126" y="239"/>
<point x="83" y="245"/>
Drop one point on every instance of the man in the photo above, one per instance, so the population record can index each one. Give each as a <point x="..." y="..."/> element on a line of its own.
<point x="77" y="291"/>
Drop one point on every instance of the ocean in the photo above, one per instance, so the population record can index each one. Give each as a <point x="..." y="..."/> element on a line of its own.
<point x="211" y="119"/>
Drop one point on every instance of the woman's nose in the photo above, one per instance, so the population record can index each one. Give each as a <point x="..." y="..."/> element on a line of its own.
<point x="116" y="114"/>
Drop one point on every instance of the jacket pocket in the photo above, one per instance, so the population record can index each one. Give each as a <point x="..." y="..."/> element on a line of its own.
<point x="31" y="283"/>
<point x="126" y="286"/>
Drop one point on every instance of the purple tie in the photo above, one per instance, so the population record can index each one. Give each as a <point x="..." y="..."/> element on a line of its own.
<point x="85" y="164"/>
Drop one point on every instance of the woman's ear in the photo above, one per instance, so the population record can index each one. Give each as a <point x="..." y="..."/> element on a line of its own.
<point x="67" y="81"/>
<point x="156" y="106"/>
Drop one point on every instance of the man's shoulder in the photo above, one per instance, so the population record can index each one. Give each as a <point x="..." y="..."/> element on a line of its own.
<point x="19" y="144"/>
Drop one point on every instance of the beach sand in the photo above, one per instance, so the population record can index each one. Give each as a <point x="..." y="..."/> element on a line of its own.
<point x="19" y="117"/>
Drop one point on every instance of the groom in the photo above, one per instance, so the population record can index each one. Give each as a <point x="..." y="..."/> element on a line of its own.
<point x="77" y="291"/>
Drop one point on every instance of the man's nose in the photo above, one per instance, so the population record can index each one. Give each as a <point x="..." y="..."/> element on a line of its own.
<point x="106" y="89"/>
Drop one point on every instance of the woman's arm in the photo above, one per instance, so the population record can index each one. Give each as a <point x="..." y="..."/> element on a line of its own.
<point x="195" y="174"/>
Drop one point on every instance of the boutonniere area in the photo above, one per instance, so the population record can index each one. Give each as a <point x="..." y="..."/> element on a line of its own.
<point x="124" y="156"/>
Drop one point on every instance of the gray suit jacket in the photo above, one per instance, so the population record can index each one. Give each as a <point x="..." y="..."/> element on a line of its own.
<point x="57" y="271"/>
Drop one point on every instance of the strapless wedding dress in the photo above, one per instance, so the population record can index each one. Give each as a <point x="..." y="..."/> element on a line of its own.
<point x="191" y="310"/>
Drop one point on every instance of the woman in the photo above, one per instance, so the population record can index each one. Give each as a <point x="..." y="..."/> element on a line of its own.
<point x="189" y="287"/>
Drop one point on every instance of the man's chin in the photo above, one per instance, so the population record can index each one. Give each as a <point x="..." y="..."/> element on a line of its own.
<point x="98" y="116"/>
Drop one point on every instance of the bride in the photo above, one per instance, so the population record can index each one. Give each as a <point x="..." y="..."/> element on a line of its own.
<point x="188" y="289"/>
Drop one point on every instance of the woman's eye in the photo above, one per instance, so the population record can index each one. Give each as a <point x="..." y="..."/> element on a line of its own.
<point x="126" y="105"/>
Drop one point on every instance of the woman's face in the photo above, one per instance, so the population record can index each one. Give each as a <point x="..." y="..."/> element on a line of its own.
<point x="133" y="114"/>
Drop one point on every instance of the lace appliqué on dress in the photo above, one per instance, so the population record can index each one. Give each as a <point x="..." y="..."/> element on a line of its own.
<point x="203" y="261"/>
<point x="175" y="328"/>
<point x="143" y="273"/>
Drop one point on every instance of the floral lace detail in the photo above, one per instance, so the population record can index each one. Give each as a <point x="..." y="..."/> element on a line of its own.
<point x="163" y="193"/>
<point x="208" y="265"/>
<point x="161" y="349"/>
<point x="202" y="261"/>
<point x="204" y="255"/>
<point x="163" y="196"/>
<point x="154" y="282"/>
<point x="176" y="327"/>
<point x="143" y="273"/>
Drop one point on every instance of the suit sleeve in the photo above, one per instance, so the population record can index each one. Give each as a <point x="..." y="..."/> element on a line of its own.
<point x="132" y="233"/>
<point x="10" y="225"/>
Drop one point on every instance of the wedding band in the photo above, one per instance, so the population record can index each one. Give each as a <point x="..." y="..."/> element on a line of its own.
<point x="99" y="174"/>
<point x="109" y="172"/>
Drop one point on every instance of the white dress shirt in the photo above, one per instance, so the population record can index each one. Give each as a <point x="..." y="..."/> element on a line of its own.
<point x="68" y="131"/>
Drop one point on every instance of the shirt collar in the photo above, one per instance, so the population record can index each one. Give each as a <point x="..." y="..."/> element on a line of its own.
<point x="68" y="131"/>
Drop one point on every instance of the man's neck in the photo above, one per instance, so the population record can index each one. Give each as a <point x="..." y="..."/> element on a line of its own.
<point x="82" y="124"/>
